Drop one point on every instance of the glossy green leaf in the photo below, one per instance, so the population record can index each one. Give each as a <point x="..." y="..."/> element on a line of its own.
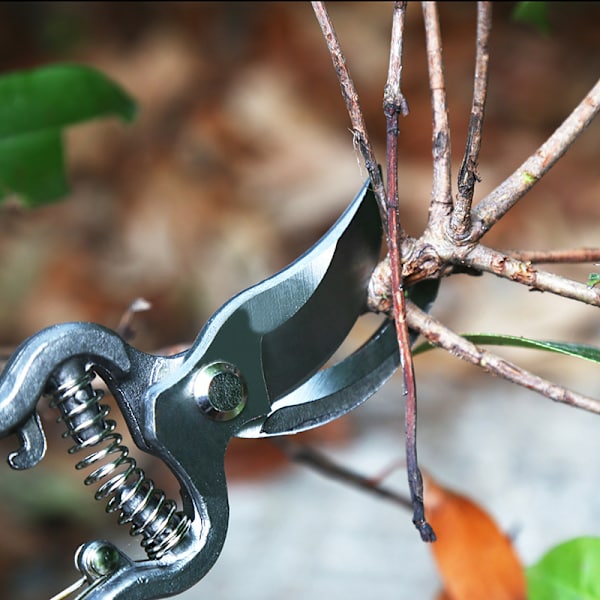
<point x="578" y="350"/>
<point x="32" y="166"/>
<point x="56" y="96"/>
<point x="34" y="106"/>
<point x="570" y="571"/>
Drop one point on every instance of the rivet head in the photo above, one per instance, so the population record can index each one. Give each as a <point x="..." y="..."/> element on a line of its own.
<point x="97" y="559"/>
<point x="220" y="390"/>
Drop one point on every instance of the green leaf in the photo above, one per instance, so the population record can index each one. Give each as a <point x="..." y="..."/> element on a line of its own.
<point x="57" y="96"/>
<point x="590" y="353"/>
<point x="533" y="13"/>
<point x="593" y="279"/>
<point x="570" y="571"/>
<point x="34" y="106"/>
<point x="32" y="166"/>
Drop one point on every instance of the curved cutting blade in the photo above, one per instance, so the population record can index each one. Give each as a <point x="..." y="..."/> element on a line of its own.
<point x="293" y="351"/>
<point x="333" y="392"/>
<point x="282" y="331"/>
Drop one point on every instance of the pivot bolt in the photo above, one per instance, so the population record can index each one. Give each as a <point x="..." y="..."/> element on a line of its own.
<point x="220" y="390"/>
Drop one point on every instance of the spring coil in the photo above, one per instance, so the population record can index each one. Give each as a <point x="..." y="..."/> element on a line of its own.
<point x="125" y="488"/>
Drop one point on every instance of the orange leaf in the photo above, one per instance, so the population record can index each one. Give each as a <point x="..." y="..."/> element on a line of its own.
<point x="475" y="559"/>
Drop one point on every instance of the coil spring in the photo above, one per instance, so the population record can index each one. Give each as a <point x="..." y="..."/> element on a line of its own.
<point x="126" y="488"/>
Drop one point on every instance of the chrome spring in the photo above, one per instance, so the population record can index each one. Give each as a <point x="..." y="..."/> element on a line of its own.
<point x="126" y="488"/>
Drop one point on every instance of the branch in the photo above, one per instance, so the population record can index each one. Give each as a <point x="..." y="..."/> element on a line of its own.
<point x="359" y="128"/>
<point x="498" y="202"/>
<point x="460" y="223"/>
<point x="440" y="205"/>
<point x="310" y="457"/>
<point x="439" y="335"/>
<point x="576" y="255"/>
<point x="393" y="105"/>
<point x="493" y="261"/>
<point x="393" y="88"/>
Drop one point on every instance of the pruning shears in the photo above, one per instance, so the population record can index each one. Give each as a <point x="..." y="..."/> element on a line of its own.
<point x="258" y="368"/>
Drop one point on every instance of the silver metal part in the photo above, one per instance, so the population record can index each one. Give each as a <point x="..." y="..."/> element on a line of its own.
<point x="97" y="559"/>
<point x="124" y="485"/>
<point x="335" y="391"/>
<point x="24" y="379"/>
<point x="33" y="444"/>
<point x="220" y="390"/>
<point x="255" y="369"/>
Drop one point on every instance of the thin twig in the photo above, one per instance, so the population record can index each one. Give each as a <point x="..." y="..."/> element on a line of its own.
<point x="499" y="201"/>
<point x="359" y="128"/>
<point x="125" y="326"/>
<point x="439" y="335"/>
<point x="316" y="460"/>
<point x="493" y="261"/>
<point x="387" y="471"/>
<point x="573" y="256"/>
<point x="394" y="104"/>
<point x="393" y="95"/>
<point x="460" y="223"/>
<point x="440" y="205"/>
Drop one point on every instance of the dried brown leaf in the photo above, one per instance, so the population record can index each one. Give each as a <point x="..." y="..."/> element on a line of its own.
<point x="475" y="558"/>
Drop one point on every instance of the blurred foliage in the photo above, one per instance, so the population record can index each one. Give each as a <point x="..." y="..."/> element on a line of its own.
<point x="568" y="571"/>
<point x="40" y="495"/>
<point x="593" y="279"/>
<point x="36" y="104"/>
<point x="533" y="13"/>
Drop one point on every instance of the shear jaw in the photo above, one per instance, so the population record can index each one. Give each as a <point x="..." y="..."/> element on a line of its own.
<point x="257" y="350"/>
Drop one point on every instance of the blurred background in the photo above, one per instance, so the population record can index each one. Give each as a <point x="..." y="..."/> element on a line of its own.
<point x="240" y="159"/>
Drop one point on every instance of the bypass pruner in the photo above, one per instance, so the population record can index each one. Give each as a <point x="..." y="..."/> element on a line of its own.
<point x="257" y="369"/>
